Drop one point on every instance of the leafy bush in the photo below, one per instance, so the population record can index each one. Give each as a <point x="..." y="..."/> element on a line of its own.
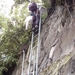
<point x="13" y="36"/>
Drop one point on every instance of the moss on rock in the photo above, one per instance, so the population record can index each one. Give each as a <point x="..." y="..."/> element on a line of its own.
<point x="53" y="69"/>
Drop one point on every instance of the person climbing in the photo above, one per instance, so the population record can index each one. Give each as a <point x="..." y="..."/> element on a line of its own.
<point x="36" y="16"/>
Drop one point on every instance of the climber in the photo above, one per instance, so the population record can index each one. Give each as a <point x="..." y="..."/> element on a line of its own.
<point x="36" y="16"/>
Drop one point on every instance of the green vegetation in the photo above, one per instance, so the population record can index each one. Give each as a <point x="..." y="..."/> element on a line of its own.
<point x="54" y="68"/>
<point x="47" y="3"/>
<point x="12" y="37"/>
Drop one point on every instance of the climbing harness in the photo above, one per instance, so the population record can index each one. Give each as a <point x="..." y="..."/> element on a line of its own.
<point x="23" y="63"/>
<point x="34" y="52"/>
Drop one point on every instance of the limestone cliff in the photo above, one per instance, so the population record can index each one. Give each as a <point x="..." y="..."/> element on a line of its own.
<point x="57" y="54"/>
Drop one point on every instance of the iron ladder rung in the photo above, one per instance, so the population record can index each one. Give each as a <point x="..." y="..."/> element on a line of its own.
<point x="35" y="41"/>
<point x="34" y="47"/>
<point x="32" y="72"/>
<point x="35" y="35"/>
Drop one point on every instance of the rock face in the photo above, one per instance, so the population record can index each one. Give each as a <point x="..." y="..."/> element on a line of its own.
<point x="57" y="53"/>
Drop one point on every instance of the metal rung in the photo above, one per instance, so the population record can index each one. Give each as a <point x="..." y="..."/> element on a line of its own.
<point x="35" y="35"/>
<point x="32" y="72"/>
<point x="35" y="41"/>
<point x="34" y="46"/>
<point x="31" y="64"/>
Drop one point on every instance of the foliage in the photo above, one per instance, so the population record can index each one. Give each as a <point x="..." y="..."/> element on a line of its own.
<point x="12" y="36"/>
<point x="47" y="4"/>
<point x="22" y="1"/>
<point x="19" y="1"/>
<point x="43" y="17"/>
<point x="61" y="2"/>
<point x="2" y="69"/>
